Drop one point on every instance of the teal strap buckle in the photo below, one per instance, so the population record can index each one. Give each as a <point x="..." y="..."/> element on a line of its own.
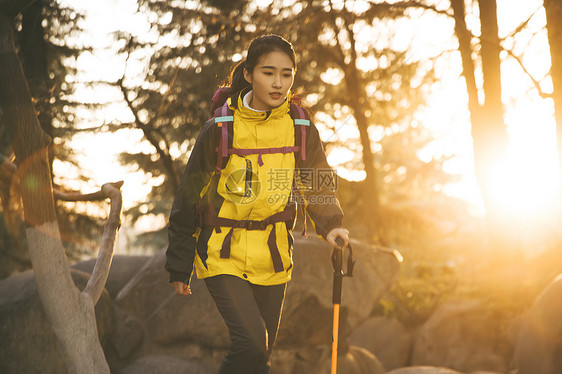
<point x="224" y="119"/>
<point x="302" y="122"/>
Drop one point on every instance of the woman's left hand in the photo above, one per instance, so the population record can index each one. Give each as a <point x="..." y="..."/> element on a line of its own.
<point x="339" y="232"/>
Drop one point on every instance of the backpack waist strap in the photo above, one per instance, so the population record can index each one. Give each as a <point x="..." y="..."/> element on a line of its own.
<point x="283" y="216"/>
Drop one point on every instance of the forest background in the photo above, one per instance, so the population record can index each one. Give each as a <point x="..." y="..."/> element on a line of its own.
<point x="441" y="119"/>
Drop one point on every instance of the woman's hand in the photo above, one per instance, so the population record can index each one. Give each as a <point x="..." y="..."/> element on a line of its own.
<point x="181" y="288"/>
<point x="338" y="233"/>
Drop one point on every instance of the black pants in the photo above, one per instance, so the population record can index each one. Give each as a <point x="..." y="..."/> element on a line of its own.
<point x="252" y="314"/>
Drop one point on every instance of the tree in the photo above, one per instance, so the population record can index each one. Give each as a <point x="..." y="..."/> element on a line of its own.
<point x="178" y="81"/>
<point x="70" y="312"/>
<point x="211" y="36"/>
<point x="43" y="35"/>
<point x="330" y="38"/>
<point x="488" y="128"/>
<point x="553" y="10"/>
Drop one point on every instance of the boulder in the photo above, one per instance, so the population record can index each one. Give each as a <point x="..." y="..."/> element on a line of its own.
<point x="538" y="348"/>
<point x="465" y="336"/>
<point x="157" y="364"/>
<point x="172" y="318"/>
<point x="122" y="270"/>
<point x="356" y="360"/>
<point x="307" y="313"/>
<point x="317" y="360"/>
<point x="126" y="337"/>
<point x="301" y="360"/>
<point x="387" y="339"/>
<point x="423" y="370"/>
<point x="308" y="309"/>
<point x="28" y="342"/>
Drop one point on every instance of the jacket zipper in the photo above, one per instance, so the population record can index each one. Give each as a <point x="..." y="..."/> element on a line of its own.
<point x="248" y="181"/>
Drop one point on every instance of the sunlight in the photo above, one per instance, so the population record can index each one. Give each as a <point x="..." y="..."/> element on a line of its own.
<point x="523" y="189"/>
<point x="526" y="185"/>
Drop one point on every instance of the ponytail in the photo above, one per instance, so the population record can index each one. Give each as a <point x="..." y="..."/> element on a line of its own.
<point x="235" y="84"/>
<point x="237" y="81"/>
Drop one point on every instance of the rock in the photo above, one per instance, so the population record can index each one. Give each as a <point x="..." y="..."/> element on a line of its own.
<point x="28" y="342"/>
<point x="464" y="336"/>
<point x="356" y="360"/>
<point x="157" y="364"/>
<point x="387" y="339"/>
<point x="307" y="313"/>
<point x="122" y="270"/>
<point x="539" y="344"/>
<point x="423" y="370"/>
<point x="171" y="318"/>
<point x="308" y="310"/>
<point x="128" y="333"/>
<point x="301" y="360"/>
<point x="317" y="360"/>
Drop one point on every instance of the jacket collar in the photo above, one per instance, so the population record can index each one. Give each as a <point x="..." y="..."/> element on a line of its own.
<point x="249" y="114"/>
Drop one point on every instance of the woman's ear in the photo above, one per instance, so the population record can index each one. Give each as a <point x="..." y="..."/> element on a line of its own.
<point x="247" y="76"/>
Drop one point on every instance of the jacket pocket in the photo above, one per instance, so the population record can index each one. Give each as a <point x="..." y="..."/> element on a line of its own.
<point x="239" y="182"/>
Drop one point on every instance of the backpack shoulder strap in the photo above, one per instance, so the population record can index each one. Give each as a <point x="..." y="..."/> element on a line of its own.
<point x="224" y="118"/>
<point x="302" y="120"/>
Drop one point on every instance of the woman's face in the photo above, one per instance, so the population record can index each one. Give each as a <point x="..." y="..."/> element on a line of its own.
<point x="271" y="80"/>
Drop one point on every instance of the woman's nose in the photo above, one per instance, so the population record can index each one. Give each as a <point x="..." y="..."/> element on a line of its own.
<point x="277" y="82"/>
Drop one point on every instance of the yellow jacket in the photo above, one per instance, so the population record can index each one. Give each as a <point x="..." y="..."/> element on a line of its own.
<point x="247" y="191"/>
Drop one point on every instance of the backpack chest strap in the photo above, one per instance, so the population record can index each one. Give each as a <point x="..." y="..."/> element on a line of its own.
<point x="260" y="151"/>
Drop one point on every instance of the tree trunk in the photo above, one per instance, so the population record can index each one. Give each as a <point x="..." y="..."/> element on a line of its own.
<point x="553" y="10"/>
<point x="489" y="134"/>
<point x="70" y="312"/>
<point x="14" y="254"/>
<point x="356" y="92"/>
<point x="33" y="55"/>
<point x="370" y="190"/>
<point x="11" y="8"/>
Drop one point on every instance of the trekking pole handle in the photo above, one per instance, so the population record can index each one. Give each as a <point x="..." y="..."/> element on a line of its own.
<point x="337" y="261"/>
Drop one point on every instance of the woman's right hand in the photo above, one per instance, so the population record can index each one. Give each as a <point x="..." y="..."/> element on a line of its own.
<point x="181" y="288"/>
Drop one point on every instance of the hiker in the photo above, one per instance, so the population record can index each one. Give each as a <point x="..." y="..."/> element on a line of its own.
<point x="236" y="206"/>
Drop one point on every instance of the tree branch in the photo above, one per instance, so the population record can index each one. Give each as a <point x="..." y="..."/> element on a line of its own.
<point x="536" y="83"/>
<point x="416" y="4"/>
<point x="524" y="24"/>
<point x="149" y="134"/>
<point x="96" y="283"/>
<point x="112" y="191"/>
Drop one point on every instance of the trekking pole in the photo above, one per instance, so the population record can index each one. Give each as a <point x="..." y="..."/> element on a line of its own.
<point x="337" y="262"/>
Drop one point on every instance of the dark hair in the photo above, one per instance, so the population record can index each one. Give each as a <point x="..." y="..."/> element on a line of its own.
<point x="259" y="47"/>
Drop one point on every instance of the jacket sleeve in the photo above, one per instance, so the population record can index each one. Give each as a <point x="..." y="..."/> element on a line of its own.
<point x="318" y="184"/>
<point x="182" y="226"/>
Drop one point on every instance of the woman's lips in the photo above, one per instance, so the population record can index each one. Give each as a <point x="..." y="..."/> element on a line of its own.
<point x="275" y="95"/>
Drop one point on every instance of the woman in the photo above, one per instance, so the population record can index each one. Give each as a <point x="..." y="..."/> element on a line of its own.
<point x="234" y="221"/>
